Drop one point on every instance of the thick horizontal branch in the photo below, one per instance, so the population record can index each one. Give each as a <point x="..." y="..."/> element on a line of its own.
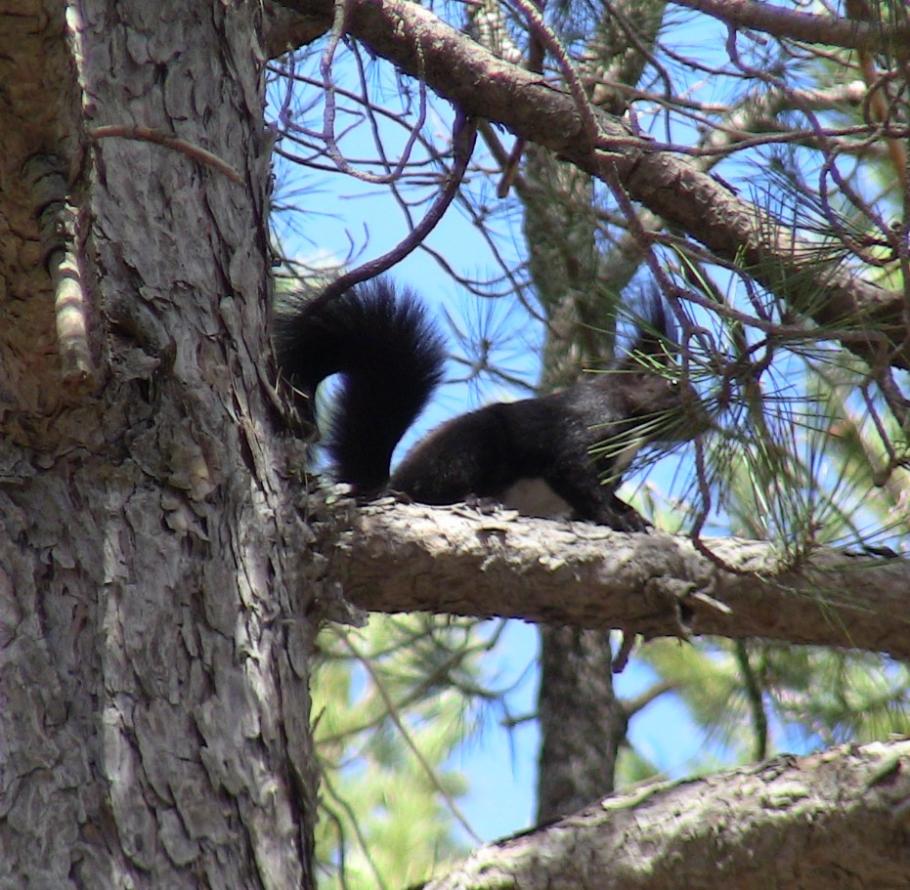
<point x="481" y="85"/>
<point x="835" y="819"/>
<point x="454" y="560"/>
<point x="804" y="26"/>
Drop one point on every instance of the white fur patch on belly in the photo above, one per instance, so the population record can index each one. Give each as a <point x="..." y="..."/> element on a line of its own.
<point x="533" y="497"/>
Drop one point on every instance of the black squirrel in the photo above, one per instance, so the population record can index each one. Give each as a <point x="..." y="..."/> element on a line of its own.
<point x="543" y="456"/>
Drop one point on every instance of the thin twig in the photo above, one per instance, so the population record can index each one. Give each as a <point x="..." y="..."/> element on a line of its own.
<point x="147" y="134"/>
<point x="464" y="136"/>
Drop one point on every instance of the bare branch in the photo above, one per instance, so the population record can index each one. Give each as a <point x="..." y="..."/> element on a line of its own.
<point x="463" y="138"/>
<point x="836" y="819"/>
<point x="148" y="134"/>
<point x="481" y="85"/>
<point x="801" y="25"/>
<point x="451" y="560"/>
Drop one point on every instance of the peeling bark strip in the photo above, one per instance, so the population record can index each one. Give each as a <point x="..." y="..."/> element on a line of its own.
<point x="450" y="560"/>
<point x="479" y="84"/>
<point x="838" y="819"/>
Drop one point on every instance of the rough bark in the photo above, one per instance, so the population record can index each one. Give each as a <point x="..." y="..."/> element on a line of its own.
<point x="673" y="187"/>
<point x="153" y="653"/>
<point x="582" y="723"/>
<point x="807" y="27"/>
<point x="452" y="560"/>
<point x="832" y="821"/>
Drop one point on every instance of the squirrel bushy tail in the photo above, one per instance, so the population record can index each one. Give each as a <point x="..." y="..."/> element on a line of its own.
<point x="390" y="356"/>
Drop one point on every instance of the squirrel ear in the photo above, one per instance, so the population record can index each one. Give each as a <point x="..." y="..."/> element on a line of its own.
<point x="655" y="339"/>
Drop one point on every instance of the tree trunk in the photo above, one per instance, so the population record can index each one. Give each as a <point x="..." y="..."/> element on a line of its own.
<point x="582" y="724"/>
<point x="154" y="662"/>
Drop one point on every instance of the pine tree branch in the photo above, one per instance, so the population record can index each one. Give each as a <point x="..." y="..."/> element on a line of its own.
<point x="804" y="26"/>
<point x="453" y="560"/>
<point x="870" y="318"/>
<point x="835" y="819"/>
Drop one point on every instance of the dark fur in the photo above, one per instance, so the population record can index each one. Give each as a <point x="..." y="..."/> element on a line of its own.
<point x="392" y="358"/>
